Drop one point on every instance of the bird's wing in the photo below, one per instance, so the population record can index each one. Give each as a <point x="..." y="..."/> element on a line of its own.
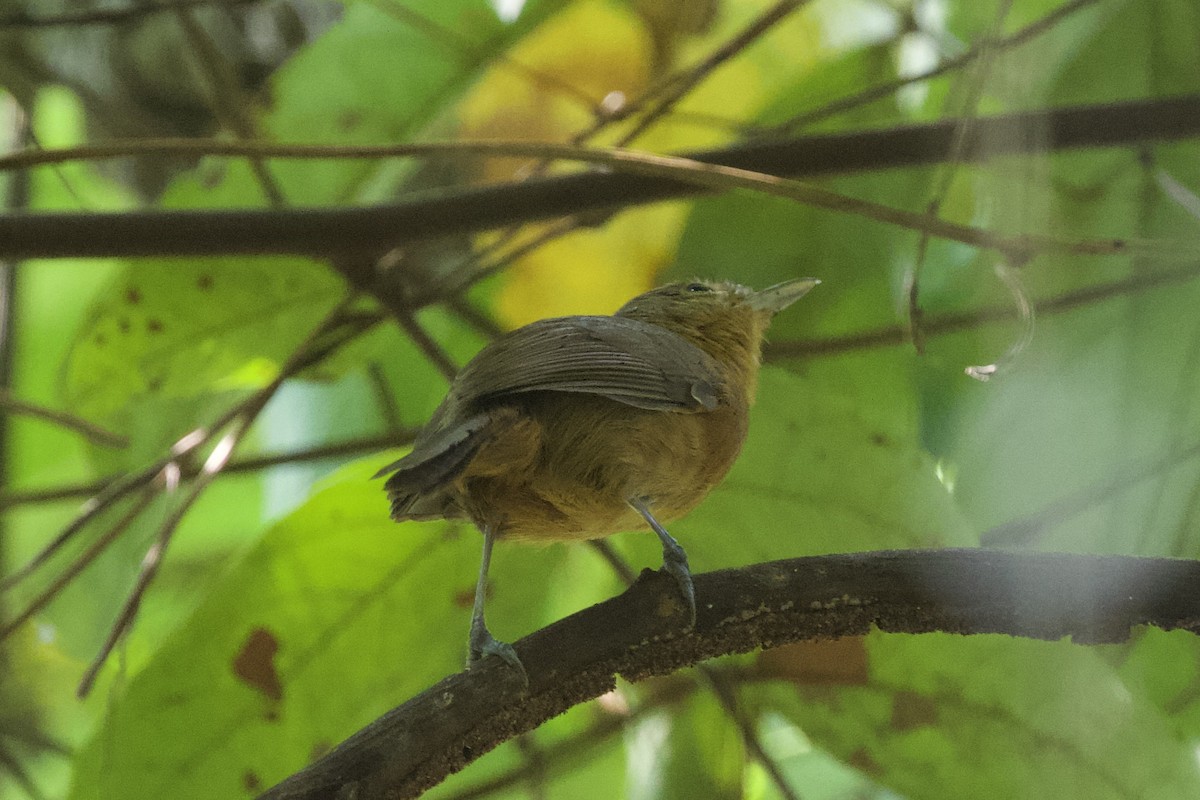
<point x="626" y="360"/>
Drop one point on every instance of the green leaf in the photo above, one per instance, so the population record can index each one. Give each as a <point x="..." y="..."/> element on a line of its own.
<point x="817" y="476"/>
<point x="1143" y="48"/>
<point x="364" y="614"/>
<point x="689" y="752"/>
<point x="382" y="74"/>
<point x="834" y="80"/>
<point x="1163" y="666"/>
<point x="990" y="717"/>
<point x="183" y="328"/>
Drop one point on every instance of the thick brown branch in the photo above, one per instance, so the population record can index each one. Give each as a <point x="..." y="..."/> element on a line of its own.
<point x="377" y="229"/>
<point x="1092" y="599"/>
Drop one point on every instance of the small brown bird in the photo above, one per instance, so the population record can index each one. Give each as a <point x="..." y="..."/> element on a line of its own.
<point x="580" y="427"/>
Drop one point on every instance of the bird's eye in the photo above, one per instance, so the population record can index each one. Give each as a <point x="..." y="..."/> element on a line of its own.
<point x="698" y="287"/>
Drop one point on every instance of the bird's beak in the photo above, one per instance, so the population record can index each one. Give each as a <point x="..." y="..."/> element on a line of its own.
<point x="778" y="297"/>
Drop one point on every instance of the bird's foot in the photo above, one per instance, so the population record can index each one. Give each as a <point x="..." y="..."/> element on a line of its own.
<point x="675" y="561"/>
<point x="483" y="644"/>
<point x="675" y="564"/>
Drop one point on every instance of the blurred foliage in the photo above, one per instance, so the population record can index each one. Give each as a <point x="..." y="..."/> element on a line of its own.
<point x="290" y="612"/>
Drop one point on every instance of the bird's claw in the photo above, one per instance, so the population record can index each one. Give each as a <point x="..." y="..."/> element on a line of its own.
<point x="675" y="564"/>
<point x="484" y="644"/>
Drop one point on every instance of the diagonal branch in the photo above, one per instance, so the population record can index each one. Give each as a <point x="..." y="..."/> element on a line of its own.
<point x="1092" y="599"/>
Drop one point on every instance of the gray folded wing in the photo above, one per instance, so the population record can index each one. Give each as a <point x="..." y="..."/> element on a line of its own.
<point x="626" y="360"/>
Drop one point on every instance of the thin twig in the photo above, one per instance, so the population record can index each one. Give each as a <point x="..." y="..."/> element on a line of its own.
<point x="870" y="95"/>
<point x="89" y="430"/>
<point x="227" y="99"/>
<point x="498" y="260"/>
<point x="1026" y="530"/>
<point x="481" y="323"/>
<point x="1079" y="129"/>
<point x="108" y="496"/>
<point x="678" y="87"/>
<point x="620" y="566"/>
<point x="17" y="772"/>
<point x="892" y="335"/>
<point x="725" y="696"/>
<point x="348" y="447"/>
<point x="146" y="573"/>
<point x="426" y="344"/>
<point x="385" y="399"/>
<point x="79" y="564"/>
<point x="966" y="116"/>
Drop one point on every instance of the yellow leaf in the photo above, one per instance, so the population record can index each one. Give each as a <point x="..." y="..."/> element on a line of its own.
<point x="552" y="83"/>
<point x="592" y="271"/>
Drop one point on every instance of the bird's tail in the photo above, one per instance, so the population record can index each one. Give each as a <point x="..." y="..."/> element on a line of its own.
<point x="420" y="486"/>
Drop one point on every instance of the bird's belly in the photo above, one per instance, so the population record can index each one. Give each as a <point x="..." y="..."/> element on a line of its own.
<point x="574" y="479"/>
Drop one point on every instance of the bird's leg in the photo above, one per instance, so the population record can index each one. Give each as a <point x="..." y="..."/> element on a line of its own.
<point x="481" y="641"/>
<point x="675" y="561"/>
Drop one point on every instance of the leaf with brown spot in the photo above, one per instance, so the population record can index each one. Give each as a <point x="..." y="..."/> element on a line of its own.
<point x="838" y="662"/>
<point x="464" y="598"/>
<point x="911" y="710"/>
<point x="182" y="329"/>
<point x="251" y="782"/>
<point x="255" y="663"/>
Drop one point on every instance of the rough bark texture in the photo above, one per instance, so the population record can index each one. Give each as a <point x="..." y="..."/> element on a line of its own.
<point x="1092" y="599"/>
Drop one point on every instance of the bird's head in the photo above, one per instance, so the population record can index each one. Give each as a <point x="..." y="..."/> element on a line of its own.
<point x="725" y="319"/>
